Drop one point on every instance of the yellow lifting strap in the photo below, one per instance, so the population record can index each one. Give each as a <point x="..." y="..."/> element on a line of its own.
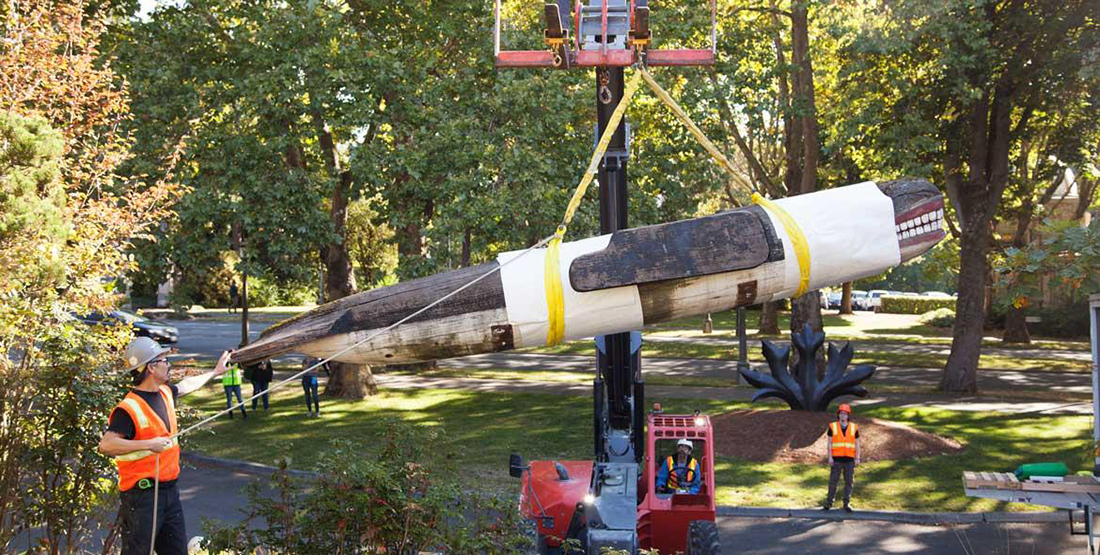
<point x="798" y="240"/>
<point x="555" y="303"/>
<point x="681" y="115"/>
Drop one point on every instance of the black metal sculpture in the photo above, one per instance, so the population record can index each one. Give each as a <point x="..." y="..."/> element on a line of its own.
<point x="803" y="390"/>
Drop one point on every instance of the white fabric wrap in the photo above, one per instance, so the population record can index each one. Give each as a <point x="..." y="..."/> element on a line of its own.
<point x="850" y="233"/>
<point x="586" y="314"/>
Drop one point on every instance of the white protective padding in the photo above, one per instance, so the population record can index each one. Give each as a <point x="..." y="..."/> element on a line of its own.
<point x="586" y="314"/>
<point x="850" y="232"/>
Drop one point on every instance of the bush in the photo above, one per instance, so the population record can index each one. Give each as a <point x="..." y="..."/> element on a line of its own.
<point x="939" y="318"/>
<point x="262" y="292"/>
<point x="399" y="499"/>
<point x="1067" y="322"/>
<point x="55" y="400"/>
<point x="893" y="304"/>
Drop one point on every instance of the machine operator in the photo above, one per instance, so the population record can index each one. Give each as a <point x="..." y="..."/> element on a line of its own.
<point x="680" y="472"/>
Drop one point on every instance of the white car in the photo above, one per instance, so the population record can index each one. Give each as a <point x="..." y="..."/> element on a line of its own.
<point x="858" y="299"/>
<point x="936" y="294"/>
<point x="874" y="299"/>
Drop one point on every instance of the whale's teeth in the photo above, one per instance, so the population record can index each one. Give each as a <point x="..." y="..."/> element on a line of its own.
<point x="924" y="217"/>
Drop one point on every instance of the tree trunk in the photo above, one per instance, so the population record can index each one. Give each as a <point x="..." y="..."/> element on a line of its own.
<point x="339" y="273"/>
<point x="1016" y="327"/>
<point x="802" y="147"/>
<point x="349" y="381"/>
<point x="846" y="298"/>
<point x="806" y="310"/>
<point x="769" y="319"/>
<point x="467" y="240"/>
<point x="961" y="373"/>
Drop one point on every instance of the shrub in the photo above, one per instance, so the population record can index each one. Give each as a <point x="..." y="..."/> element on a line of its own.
<point x="893" y="304"/>
<point x="399" y="499"/>
<point x="1068" y="322"/>
<point x="263" y="292"/>
<point x="940" y="318"/>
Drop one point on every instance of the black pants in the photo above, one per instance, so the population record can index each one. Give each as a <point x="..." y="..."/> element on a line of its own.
<point x="136" y="514"/>
<point x="848" y="468"/>
<point x="258" y="386"/>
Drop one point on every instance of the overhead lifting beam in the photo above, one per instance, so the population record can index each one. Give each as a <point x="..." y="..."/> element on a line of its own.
<point x="573" y="52"/>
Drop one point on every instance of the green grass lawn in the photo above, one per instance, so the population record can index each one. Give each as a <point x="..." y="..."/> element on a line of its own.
<point x="865" y="354"/>
<point x="479" y="430"/>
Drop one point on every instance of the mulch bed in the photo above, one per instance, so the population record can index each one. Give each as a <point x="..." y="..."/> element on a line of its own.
<point x="796" y="436"/>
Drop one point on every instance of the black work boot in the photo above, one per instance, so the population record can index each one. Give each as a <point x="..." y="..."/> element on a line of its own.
<point x="847" y="508"/>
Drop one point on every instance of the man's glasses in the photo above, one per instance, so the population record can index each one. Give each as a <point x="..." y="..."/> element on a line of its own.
<point x="159" y="360"/>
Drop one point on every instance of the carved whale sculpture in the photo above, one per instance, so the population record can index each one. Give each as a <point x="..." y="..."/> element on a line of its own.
<point x="628" y="279"/>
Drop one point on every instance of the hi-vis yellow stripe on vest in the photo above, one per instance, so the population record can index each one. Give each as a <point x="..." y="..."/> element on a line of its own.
<point x="136" y="466"/>
<point x="844" y="442"/>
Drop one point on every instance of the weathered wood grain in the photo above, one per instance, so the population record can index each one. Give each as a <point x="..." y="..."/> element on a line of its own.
<point x="378" y="308"/>
<point x="725" y="242"/>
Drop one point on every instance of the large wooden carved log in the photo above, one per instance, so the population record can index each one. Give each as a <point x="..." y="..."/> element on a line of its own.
<point x="629" y="279"/>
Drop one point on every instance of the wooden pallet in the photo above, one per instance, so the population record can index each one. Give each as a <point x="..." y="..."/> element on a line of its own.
<point x="1008" y="481"/>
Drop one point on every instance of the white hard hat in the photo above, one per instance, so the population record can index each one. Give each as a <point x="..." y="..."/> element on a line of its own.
<point x="685" y="442"/>
<point x="140" y="351"/>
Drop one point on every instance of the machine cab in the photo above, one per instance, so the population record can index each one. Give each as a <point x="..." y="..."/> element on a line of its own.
<point x="665" y="515"/>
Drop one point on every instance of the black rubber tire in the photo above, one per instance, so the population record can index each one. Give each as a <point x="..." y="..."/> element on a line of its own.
<point x="702" y="538"/>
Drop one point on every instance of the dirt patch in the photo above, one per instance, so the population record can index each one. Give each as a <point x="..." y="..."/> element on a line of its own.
<point x="796" y="436"/>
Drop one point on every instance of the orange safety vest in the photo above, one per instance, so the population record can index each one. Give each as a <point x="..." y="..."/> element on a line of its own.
<point x="673" y="479"/>
<point x="135" y="466"/>
<point x="844" y="445"/>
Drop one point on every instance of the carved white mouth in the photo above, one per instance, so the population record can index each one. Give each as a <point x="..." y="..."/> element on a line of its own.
<point x="919" y="228"/>
<point x="920" y="225"/>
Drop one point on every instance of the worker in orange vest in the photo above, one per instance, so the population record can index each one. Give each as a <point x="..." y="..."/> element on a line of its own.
<point x="843" y="455"/>
<point x="141" y="438"/>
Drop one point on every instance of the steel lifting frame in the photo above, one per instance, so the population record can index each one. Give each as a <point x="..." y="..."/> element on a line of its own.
<point x="637" y="51"/>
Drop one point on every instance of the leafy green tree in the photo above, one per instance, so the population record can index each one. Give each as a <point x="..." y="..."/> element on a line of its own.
<point x="370" y="244"/>
<point x="950" y="89"/>
<point x="1069" y="255"/>
<point x="32" y="198"/>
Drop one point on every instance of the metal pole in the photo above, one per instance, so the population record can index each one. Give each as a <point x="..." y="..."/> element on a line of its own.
<point x="244" y="308"/>
<point x="742" y="345"/>
<point x="1094" y="339"/>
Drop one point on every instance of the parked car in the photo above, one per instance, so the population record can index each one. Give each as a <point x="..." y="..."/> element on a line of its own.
<point x="874" y="299"/>
<point x="834" y="299"/>
<point x="143" y="327"/>
<point x="822" y="298"/>
<point x="936" y="294"/>
<point x="859" y="297"/>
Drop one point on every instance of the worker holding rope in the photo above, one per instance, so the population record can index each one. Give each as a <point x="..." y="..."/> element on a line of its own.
<point x="141" y="438"/>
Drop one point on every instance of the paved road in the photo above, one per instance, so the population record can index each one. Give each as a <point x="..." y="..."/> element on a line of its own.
<point x="204" y="339"/>
<point x="765" y="536"/>
<point x="215" y="494"/>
